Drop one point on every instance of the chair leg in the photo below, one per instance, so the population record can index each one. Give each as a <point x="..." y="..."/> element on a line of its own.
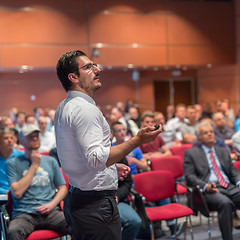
<point x="191" y="227"/>
<point x="209" y="229"/>
<point x="152" y="231"/>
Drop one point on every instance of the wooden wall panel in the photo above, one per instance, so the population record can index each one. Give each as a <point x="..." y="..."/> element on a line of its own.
<point x="196" y="29"/>
<point x="137" y="56"/>
<point x="16" y="90"/>
<point x="151" y="24"/>
<point x="204" y="8"/>
<point x="62" y="5"/>
<point x="42" y="27"/>
<point x="201" y="55"/>
<point x="238" y="25"/>
<point x="133" y="6"/>
<point x="37" y="56"/>
<point x="217" y="83"/>
<point x="127" y="29"/>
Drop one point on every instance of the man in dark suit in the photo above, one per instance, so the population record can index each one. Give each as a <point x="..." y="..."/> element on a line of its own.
<point x="210" y="167"/>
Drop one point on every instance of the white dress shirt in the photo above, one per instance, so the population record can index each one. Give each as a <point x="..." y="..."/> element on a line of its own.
<point x="47" y="141"/>
<point x="83" y="143"/>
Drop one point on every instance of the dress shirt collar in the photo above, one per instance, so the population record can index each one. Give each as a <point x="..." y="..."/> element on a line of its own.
<point x="74" y="94"/>
<point x="206" y="149"/>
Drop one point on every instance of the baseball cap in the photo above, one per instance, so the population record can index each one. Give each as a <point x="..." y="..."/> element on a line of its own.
<point x="28" y="129"/>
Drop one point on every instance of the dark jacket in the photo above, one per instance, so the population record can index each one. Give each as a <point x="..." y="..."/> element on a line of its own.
<point x="196" y="168"/>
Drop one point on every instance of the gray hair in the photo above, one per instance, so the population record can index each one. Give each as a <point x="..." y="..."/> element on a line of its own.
<point x="202" y="124"/>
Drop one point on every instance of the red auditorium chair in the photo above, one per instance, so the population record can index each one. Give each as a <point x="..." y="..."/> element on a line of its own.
<point x="155" y="186"/>
<point x="180" y="150"/>
<point x="175" y="166"/>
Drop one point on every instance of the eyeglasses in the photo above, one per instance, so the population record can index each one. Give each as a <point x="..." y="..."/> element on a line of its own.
<point x="207" y="132"/>
<point x="89" y="66"/>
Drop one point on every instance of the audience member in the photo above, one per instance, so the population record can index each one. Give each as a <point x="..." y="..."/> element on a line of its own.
<point x="20" y="121"/>
<point x="221" y="130"/>
<point x="51" y="114"/>
<point x="211" y="168"/>
<point x="134" y="114"/>
<point x="199" y="110"/>
<point x="176" y="122"/>
<point x="227" y="112"/>
<point x="130" y="125"/>
<point x="129" y="103"/>
<point x="6" y="152"/>
<point x="236" y="143"/>
<point x="6" y="122"/>
<point x="13" y="112"/>
<point x="168" y="134"/>
<point x="130" y="220"/>
<point x="47" y="139"/>
<point x="188" y="129"/>
<point x="33" y="180"/>
<point x="157" y="148"/>
<point x="30" y="119"/>
<point x="135" y="159"/>
<point x="237" y="122"/>
<point x="170" y="112"/>
<point x="38" y="111"/>
<point x="207" y="110"/>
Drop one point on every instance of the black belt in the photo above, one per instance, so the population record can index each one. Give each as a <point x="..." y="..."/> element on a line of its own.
<point x="92" y="193"/>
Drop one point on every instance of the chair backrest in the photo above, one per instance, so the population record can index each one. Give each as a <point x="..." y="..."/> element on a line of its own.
<point x="155" y="185"/>
<point x="180" y="150"/>
<point x="237" y="165"/>
<point x="45" y="153"/>
<point x="168" y="163"/>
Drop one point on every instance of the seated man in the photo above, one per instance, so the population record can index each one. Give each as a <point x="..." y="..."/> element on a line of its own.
<point x="33" y="180"/>
<point x="188" y="129"/>
<point x="154" y="149"/>
<point x="135" y="158"/>
<point x="6" y="152"/>
<point x="130" y="125"/>
<point x="211" y="168"/>
<point x="221" y="130"/>
<point x="168" y="134"/>
<point x="47" y="138"/>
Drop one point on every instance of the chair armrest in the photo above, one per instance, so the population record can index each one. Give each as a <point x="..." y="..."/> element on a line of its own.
<point x="138" y="205"/>
<point x="5" y="220"/>
<point x="197" y="202"/>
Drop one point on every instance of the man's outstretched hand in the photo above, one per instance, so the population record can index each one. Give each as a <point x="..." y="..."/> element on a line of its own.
<point x="148" y="134"/>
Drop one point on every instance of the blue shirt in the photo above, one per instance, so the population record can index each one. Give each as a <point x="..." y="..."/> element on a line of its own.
<point x="4" y="185"/>
<point x="136" y="153"/>
<point x="213" y="177"/>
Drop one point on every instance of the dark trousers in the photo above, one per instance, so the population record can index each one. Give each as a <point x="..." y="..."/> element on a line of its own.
<point x="92" y="217"/>
<point x="24" y="224"/>
<point x="224" y="203"/>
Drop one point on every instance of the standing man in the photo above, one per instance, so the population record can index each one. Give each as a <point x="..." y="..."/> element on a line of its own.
<point x="210" y="167"/>
<point x="85" y="152"/>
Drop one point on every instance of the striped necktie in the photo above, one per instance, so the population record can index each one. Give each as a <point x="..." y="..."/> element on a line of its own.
<point x="217" y="171"/>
